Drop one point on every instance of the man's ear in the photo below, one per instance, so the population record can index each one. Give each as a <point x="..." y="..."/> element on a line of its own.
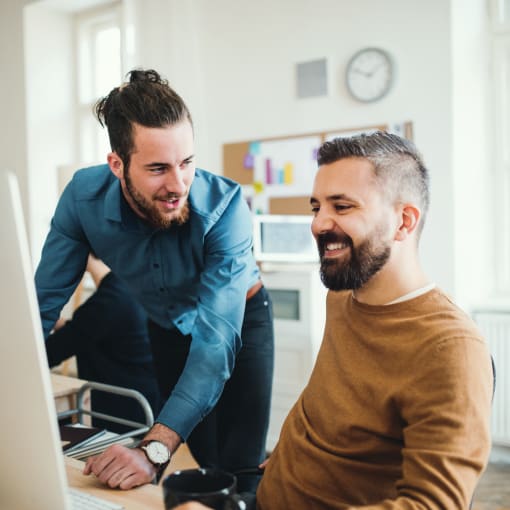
<point x="409" y="220"/>
<point x="116" y="165"/>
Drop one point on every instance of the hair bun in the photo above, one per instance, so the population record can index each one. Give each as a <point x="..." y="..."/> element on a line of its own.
<point x="145" y="75"/>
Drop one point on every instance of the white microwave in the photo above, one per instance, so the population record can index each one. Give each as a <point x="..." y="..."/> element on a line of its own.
<point x="283" y="238"/>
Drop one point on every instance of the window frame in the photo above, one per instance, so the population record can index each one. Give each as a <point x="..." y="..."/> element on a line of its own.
<point x="87" y="24"/>
<point x="497" y="14"/>
<point x="501" y="161"/>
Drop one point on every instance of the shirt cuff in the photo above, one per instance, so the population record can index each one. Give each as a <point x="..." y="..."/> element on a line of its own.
<point x="180" y="415"/>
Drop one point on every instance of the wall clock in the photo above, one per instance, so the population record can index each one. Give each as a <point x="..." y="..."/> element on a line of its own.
<point x="369" y="74"/>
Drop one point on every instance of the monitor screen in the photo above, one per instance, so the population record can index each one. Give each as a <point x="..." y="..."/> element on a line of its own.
<point x="284" y="238"/>
<point x="26" y="401"/>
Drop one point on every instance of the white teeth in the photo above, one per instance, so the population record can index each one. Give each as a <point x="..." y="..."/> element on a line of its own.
<point x="335" y="246"/>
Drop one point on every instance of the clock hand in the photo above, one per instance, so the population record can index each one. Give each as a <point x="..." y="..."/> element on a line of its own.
<point x="360" y="71"/>
<point x="374" y="70"/>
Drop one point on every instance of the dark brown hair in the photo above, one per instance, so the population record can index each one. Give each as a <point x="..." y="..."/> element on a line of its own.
<point x="145" y="99"/>
<point x="398" y="166"/>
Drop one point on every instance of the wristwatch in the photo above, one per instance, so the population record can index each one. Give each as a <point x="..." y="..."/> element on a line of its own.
<point x="157" y="453"/>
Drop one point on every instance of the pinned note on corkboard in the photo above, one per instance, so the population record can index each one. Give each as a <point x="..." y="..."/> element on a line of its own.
<point x="277" y="173"/>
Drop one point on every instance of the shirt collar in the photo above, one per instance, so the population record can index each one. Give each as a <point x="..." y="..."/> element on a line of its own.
<point x="413" y="294"/>
<point x="113" y="202"/>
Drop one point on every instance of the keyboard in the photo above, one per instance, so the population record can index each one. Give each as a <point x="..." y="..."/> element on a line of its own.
<point x="83" y="501"/>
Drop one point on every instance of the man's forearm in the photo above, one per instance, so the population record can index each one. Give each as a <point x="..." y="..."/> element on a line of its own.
<point x="165" y="435"/>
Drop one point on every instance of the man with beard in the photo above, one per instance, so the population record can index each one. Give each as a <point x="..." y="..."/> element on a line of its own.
<point x="180" y="238"/>
<point x="396" y="412"/>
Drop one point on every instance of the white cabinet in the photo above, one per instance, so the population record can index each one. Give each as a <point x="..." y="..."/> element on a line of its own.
<point x="299" y="300"/>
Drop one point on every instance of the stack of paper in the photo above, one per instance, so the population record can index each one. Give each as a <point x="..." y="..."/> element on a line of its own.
<point x="80" y="441"/>
<point x="77" y="435"/>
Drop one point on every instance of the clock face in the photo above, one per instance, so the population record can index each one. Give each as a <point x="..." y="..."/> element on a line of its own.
<point x="369" y="74"/>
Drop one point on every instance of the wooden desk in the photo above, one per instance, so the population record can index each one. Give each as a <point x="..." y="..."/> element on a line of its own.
<point x="64" y="386"/>
<point x="147" y="497"/>
<point x="65" y="390"/>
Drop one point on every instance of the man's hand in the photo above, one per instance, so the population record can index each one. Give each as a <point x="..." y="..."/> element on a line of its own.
<point x="264" y="464"/>
<point x="126" y="468"/>
<point x="121" y="467"/>
<point x="59" y="324"/>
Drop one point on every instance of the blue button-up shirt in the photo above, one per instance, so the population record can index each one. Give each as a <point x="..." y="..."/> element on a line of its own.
<point x="192" y="277"/>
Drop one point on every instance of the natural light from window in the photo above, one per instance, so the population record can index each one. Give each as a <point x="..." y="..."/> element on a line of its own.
<point x="501" y="128"/>
<point x="107" y="60"/>
<point x="99" y="70"/>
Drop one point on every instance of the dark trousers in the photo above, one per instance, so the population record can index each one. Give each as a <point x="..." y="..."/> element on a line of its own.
<point x="233" y="435"/>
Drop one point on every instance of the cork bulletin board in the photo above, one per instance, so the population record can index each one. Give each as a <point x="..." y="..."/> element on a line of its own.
<point x="277" y="173"/>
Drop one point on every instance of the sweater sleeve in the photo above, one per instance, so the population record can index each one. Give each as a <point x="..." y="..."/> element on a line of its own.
<point x="446" y="408"/>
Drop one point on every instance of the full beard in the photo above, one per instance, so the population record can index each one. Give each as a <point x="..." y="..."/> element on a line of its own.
<point x="364" y="262"/>
<point x="151" y="213"/>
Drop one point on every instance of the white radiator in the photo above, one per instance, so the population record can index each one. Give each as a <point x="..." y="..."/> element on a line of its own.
<point x="495" y="326"/>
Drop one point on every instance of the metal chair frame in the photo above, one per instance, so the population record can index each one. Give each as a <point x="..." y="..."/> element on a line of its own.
<point x="81" y="411"/>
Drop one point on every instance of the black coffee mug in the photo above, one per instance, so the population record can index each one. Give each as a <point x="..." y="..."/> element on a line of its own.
<point x="211" y="487"/>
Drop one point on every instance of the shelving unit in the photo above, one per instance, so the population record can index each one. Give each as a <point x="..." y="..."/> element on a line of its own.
<point x="299" y="300"/>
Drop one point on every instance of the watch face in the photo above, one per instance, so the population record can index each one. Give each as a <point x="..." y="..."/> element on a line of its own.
<point x="157" y="452"/>
<point x="369" y="74"/>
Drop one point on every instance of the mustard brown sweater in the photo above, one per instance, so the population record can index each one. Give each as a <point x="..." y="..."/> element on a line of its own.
<point x="395" y="415"/>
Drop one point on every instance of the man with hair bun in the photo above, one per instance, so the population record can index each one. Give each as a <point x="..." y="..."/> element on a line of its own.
<point x="181" y="240"/>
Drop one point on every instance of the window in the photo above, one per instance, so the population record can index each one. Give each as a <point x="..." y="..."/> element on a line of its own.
<point x="501" y="109"/>
<point x="501" y="134"/>
<point x="99" y="69"/>
<point x="500" y="13"/>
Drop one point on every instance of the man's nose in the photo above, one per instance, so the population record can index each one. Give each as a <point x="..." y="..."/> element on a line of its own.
<point x="174" y="182"/>
<point x="322" y="222"/>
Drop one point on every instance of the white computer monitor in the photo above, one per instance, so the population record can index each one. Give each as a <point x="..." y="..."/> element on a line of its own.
<point x="32" y="473"/>
<point x="283" y="238"/>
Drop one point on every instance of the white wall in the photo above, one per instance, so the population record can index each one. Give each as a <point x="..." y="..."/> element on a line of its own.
<point x="12" y="95"/>
<point x="245" y="64"/>
<point x="49" y="52"/>
<point x="472" y="207"/>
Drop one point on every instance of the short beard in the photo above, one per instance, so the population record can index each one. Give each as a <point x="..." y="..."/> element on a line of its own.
<point x="150" y="212"/>
<point x="365" y="261"/>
